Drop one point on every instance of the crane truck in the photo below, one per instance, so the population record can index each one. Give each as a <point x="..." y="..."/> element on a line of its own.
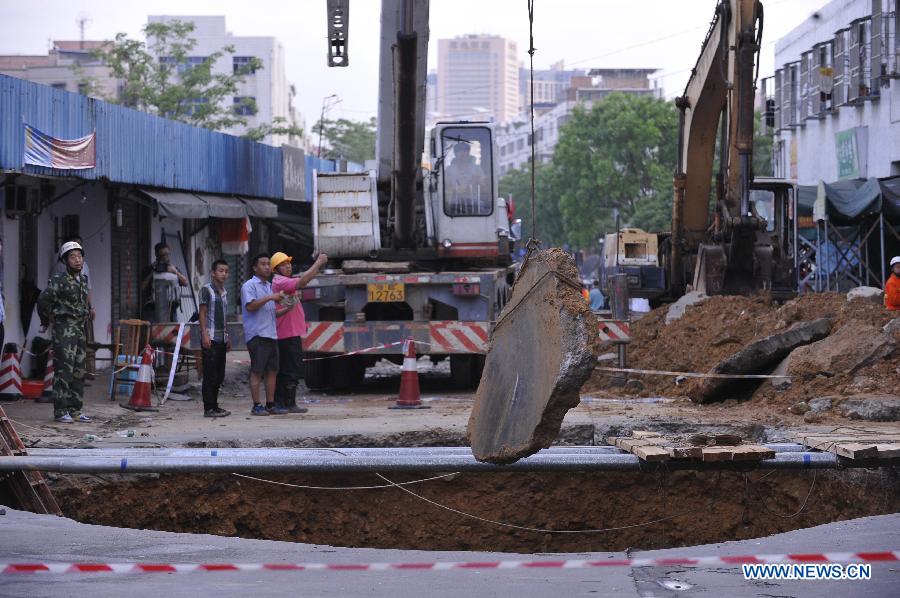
<point x="417" y="252"/>
<point x="742" y="239"/>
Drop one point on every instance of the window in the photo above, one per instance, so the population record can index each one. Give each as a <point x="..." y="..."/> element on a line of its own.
<point x="59" y="86"/>
<point x="468" y="171"/>
<point x="189" y="63"/>
<point x="83" y="88"/>
<point x="243" y="64"/>
<point x="244" y="105"/>
<point x="194" y="106"/>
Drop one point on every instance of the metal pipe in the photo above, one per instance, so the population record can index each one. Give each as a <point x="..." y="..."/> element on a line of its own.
<point x="371" y="463"/>
<point x="336" y="452"/>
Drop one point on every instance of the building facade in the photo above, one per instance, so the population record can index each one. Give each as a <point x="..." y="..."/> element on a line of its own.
<point x="69" y="66"/>
<point x="514" y="139"/>
<point x="478" y="77"/>
<point x="836" y="100"/>
<point x="268" y="87"/>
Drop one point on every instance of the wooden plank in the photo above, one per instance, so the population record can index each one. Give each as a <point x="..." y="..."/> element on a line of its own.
<point x="718" y="453"/>
<point x="752" y="452"/>
<point x="686" y="452"/>
<point x="888" y="451"/>
<point x="855" y="450"/>
<point x="651" y="453"/>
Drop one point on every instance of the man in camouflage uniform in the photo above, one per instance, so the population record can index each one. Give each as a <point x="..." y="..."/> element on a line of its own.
<point x="63" y="305"/>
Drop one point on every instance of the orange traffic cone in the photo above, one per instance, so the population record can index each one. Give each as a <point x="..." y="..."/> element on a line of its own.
<point x="140" y="396"/>
<point x="47" y="393"/>
<point x="409" y="379"/>
<point x="10" y="374"/>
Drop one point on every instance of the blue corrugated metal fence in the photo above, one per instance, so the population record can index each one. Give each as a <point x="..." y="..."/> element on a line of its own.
<point x="134" y="147"/>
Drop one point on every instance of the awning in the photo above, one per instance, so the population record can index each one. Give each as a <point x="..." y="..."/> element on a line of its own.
<point x="224" y="207"/>
<point x="177" y="204"/>
<point x="260" y="208"/>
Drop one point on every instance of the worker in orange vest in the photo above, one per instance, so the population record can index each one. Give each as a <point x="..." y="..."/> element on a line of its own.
<point x="892" y="286"/>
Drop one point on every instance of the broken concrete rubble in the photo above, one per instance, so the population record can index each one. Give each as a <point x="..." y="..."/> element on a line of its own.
<point x="873" y="294"/>
<point x="871" y="407"/>
<point x="757" y="357"/>
<point x="851" y="347"/>
<point x="676" y="310"/>
<point x="541" y="353"/>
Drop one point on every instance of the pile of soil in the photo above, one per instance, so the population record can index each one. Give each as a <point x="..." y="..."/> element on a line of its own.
<point x="721" y="326"/>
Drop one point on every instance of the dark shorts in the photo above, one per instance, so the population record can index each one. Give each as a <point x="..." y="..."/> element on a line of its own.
<point x="263" y="354"/>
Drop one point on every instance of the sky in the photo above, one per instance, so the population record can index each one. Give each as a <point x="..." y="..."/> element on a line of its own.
<point x="662" y="34"/>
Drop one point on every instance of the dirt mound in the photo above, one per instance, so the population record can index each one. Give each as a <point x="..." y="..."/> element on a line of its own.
<point x="719" y="327"/>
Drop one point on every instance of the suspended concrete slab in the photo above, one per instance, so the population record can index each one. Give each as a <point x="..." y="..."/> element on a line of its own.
<point x="540" y="355"/>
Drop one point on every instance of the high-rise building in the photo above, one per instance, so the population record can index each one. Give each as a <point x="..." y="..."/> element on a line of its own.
<point x="268" y="86"/>
<point x="478" y="77"/>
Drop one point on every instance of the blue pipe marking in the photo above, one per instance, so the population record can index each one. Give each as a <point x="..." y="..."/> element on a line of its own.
<point x="124" y="464"/>
<point x="806" y="459"/>
<point x="214" y="453"/>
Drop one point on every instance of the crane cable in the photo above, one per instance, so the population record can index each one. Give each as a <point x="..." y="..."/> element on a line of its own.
<point x="531" y="51"/>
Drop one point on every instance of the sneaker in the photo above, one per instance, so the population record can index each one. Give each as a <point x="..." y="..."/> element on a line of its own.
<point x="276" y="410"/>
<point x="296" y="409"/>
<point x="258" y="410"/>
<point x="65" y="418"/>
<point x="217" y="412"/>
<point x="86" y="419"/>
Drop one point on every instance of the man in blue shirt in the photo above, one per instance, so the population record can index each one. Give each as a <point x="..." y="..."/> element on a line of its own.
<point x="258" y="308"/>
<point x="595" y="296"/>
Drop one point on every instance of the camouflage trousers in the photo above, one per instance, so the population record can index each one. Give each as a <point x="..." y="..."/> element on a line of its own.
<point x="68" y="366"/>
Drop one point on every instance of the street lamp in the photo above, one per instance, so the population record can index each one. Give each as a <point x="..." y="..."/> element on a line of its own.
<point x="328" y="102"/>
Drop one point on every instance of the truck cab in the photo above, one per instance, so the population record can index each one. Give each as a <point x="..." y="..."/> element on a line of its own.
<point x="466" y="219"/>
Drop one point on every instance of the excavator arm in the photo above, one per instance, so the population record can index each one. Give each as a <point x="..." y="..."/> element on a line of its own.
<point x="719" y="250"/>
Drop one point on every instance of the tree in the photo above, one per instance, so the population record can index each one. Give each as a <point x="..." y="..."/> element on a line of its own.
<point x="349" y="139"/>
<point x="620" y="155"/>
<point x="163" y="77"/>
<point x="517" y="184"/>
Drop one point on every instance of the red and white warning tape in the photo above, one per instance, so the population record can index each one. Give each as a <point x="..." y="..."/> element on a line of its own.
<point x="691" y="561"/>
<point x="357" y="352"/>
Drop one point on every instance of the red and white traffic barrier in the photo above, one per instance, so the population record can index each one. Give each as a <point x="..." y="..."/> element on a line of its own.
<point x="617" y="331"/>
<point x="689" y="561"/>
<point x="10" y="374"/>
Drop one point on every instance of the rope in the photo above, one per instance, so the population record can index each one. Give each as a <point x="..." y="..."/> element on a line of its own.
<point x="540" y="530"/>
<point x="692" y="374"/>
<point x="531" y="51"/>
<point x="446" y="475"/>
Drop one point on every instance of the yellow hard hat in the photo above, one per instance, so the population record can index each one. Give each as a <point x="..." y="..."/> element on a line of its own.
<point x="279" y="258"/>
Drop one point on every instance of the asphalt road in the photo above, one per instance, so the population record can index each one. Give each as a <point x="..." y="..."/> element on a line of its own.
<point x="25" y="537"/>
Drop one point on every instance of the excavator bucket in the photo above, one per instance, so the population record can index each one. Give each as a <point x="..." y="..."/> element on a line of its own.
<point x="542" y="351"/>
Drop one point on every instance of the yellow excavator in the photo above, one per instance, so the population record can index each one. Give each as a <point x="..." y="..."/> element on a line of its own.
<point x="731" y="233"/>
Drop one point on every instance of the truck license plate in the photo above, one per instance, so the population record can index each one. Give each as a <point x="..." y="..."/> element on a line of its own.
<point x="386" y="292"/>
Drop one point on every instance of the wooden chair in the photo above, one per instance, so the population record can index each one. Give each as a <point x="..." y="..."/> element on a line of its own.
<point x="131" y="338"/>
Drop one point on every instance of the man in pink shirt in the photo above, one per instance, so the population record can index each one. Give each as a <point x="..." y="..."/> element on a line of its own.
<point x="290" y="323"/>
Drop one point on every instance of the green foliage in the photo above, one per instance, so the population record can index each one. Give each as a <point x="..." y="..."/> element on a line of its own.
<point x="178" y="86"/>
<point x="620" y="155"/>
<point x="349" y="139"/>
<point x="517" y="184"/>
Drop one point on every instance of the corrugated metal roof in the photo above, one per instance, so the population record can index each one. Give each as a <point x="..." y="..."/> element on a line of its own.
<point x="135" y="147"/>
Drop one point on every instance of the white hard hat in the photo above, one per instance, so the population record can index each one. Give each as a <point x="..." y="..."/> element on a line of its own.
<point x="69" y="246"/>
<point x="895" y="260"/>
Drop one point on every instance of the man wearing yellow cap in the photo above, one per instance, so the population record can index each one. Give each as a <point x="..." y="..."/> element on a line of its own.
<point x="290" y="323"/>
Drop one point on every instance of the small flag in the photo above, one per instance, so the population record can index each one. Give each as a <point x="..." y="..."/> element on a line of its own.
<point x="69" y="154"/>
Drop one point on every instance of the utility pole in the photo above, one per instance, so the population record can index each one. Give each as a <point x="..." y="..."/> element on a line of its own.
<point x="325" y="107"/>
